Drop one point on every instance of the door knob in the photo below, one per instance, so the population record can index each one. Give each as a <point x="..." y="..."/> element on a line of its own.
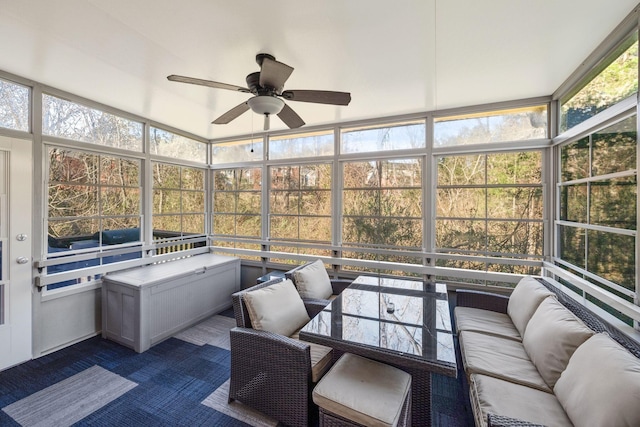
<point x="22" y="260"/>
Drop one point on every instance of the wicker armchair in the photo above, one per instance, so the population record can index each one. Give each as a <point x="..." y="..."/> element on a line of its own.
<point x="270" y="372"/>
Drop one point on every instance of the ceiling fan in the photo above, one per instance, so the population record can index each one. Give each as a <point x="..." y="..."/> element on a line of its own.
<point x="267" y="87"/>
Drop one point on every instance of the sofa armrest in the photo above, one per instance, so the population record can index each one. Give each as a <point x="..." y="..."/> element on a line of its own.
<point x="483" y="300"/>
<point x="502" y="421"/>
<point x="266" y="348"/>
<point x="314" y="306"/>
<point x="339" y="285"/>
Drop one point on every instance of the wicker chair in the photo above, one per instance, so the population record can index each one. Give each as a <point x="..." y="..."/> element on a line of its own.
<point x="338" y="285"/>
<point x="269" y="372"/>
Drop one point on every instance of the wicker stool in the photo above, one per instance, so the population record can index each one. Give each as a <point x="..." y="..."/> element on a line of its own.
<point x="361" y="392"/>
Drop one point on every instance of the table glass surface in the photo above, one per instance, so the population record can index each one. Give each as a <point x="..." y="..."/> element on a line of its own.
<point x="402" y="316"/>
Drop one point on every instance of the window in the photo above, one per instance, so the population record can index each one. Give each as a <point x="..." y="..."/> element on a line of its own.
<point x="398" y="136"/>
<point x="598" y="199"/>
<point x="168" y="144"/>
<point x="516" y="124"/>
<point x="178" y="201"/>
<point x="237" y="151"/>
<point x="300" y="203"/>
<point x="237" y="202"/>
<point x="490" y="205"/>
<point x="314" y="144"/>
<point x="614" y="79"/>
<point x="14" y="106"/>
<point x="382" y="206"/>
<point x="69" y="120"/>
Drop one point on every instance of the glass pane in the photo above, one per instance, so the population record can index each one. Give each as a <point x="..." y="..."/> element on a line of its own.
<point x="167" y="224"/>
<point x="121" y="172"/>
<point x="315" y="229"/>
<point x="614" y="148"/>
<point x="573" y="203"/>
<point x="613" y="203"/>
<point x="303" y="145"/>
<point x="388" y="232"/>
<point x="284" y="202"/>
<point x="284" y="227"/>
<point x="315" y="203"/>
<point x="192" y="179"/>
<point x="575" y="160"/>
<point x="14" y="108"/>
<point x="72" y="201"/>
<point x="402" y="173"/>
<point x="168" y="144"/>
<point x="285" y="178"/>
<point x="515" y="203"/>
<point x="362" y="174"/>
<point x="67" y="119"/>
<point x="407" y="203"/>
<point x="315" y="176"/>
<point x="612" y="256"/>
<point x="236" y="151"/>
<point x="512" y="237"/>
<point x="224" y="180"/>
<point x="399" y="136"/>
<point x="461" y="235"/>
<point x="193" y="224"/>
<point x="120" y="201"/>
<point x="224" y="202"/>
<point x="248" y="225"/>
<point x="615" y="79"/>
<point x="361" y="202"/>
<point x="514" y="168"/>
<point x="516" y="124"/>
<point x="249" y="202"/>
<point x="69" y="230"/>
<point x="73" y="166"/>
<point x="461" y="170"/>
<point x="224" y="224"/>
<point x="166" y="176"/>
<point x="193" y="201"/>
<point x="166" y="201"/>
<point x="130" y="225"/>
<point x="249" y="179"/>
<point x="461" y="202"/>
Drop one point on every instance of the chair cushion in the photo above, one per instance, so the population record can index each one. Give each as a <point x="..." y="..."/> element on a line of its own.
<point x="485" y="321"/>
<point x="551" y="337"/>
<point x="601" y="385"/>
<point x="277" y="308"/>
<point x="321" y="358"/>
<point x="500" y="358"/>
<point x="364" y="391"/>
<point x="524" y="301"/>
<point x="495" y="396"/>
<point x="313" y="281"/>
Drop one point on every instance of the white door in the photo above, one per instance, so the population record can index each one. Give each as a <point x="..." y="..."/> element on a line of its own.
<point x="15" y="251"/>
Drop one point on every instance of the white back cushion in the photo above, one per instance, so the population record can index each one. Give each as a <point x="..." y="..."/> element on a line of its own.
<point x="524" y="300"/>
<point x="313" y="281"/>
<point x="277" y="308"/>
<point x="601" y="385"/>
<point x="551" y="337"/>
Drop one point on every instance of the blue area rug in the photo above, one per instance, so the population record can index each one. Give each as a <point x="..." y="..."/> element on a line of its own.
<point x="172" y="379"/>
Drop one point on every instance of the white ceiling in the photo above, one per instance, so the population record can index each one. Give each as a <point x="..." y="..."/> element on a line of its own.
<point x="395" y="57"/>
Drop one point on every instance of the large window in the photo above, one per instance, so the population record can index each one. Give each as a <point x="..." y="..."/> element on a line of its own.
<point x="615" y="78"/>
<point x="70" y="120"/>
<point x="490" y="205"/>
<point x="14" y="106"/>
<point x="168" y="144"/>
<point x="237" y="202"/>
<point x="598" y="199"/>
<point x="382" y="207"/>
<point x="178" y="201"/>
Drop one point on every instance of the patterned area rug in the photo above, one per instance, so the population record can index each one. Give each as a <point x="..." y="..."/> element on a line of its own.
<point x="182" y="381"/>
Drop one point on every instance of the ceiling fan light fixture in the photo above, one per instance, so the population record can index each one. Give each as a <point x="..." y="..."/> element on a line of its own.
<point x="265" y="104"/>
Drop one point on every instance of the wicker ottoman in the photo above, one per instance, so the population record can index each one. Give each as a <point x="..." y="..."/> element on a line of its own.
<point x="361" y="392"/>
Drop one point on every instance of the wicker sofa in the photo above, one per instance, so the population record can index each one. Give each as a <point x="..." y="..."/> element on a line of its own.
<point x="540" y="358"/>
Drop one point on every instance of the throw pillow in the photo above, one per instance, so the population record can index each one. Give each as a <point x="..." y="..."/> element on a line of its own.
<point x="524" y="301"/>
<point x="551" y="337"/>
<point x="276" y="308"/>
<point x="313" y="281"/>
<point x="601" y="385"/>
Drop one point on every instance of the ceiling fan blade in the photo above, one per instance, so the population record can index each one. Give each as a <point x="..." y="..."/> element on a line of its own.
<point x="290" y="117"/>
<point x="274" y="74"/>
<point x="231" y="114"/>
<point x="318" y="96"/>
<point x="209" y="83"/>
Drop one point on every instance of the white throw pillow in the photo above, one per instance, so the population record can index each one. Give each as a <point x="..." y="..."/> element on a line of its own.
<point x="524" y="300"/>
<point x="276" y="308"/>
<point x="601" y="385"/>
<point x="551" y="337"/>
<point x="313" y="281"/>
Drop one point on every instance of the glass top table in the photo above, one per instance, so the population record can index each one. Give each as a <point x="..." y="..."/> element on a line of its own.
<point x="402" y="322"/>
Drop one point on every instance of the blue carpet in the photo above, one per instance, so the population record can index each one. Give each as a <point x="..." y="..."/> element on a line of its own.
<point x="173" y="378"/>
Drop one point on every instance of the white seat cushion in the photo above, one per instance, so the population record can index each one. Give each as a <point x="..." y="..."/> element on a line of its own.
<point x="321" y="358"/>
<point x="313" y="281"/>
<point x="364" y="391"/>
<point x="601" y="385"/>
<point x="551" y="337"/>
<point x="276" y="308"/>
<point x="495" y="396"/>
<point x="501" y="358"/>
<point x="485" y="321"/>
<point x="524" y="301"/>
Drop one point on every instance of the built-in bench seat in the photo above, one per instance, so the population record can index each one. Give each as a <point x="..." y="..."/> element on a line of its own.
<point x="539" y="357"/>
